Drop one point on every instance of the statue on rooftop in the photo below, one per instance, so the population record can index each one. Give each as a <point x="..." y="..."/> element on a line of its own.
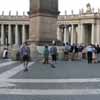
<point x="88" y="6"/>
<point x="9" y="13"/>
<point x="82" y="10"/>
<point x="65" y="12"/>
<point x="72" y="12"/>
<point x="98" y="10"/>
<point x="2" y="13"/>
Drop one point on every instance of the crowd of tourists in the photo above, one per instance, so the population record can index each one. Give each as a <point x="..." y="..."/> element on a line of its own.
<point x="73" y="52"/>
<point x="50" y="54"/>
<point x="79" y="52"/>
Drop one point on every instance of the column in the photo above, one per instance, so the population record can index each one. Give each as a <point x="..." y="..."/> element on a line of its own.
<point x="59" y="34"/>
<point x="75" y="34"/>
<point x="68" y="34"/>
<point x="16" y="35"/>
<point x="93" y="34"/>
<point x="79" y="34"/>
<point x="2" y="34"/>
<point x="65" y="34"/>
<point x="9" y="35"/>
<point x="82" y="34"/>
<point x="23" y="34"/>
<point x="72" y="35"/>
<point x="98" y="32"/>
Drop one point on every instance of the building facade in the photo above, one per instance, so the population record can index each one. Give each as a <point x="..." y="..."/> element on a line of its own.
<point x="81" y="28"/>
<point x="75" y="28"/>
<point x="14" y="30"/>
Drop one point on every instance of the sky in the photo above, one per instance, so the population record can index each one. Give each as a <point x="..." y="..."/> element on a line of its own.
<point x="23" y="5"/>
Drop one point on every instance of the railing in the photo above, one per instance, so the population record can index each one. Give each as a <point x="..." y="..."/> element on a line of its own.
<point x="76" y="16"/>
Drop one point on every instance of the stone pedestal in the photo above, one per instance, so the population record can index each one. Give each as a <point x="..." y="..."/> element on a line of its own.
<point x="43" y="28"/>
<point x="33" y="50"/>
<point x="13" y="52"/>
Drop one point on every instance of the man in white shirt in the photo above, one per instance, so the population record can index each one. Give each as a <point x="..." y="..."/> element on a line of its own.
<point x="89" y="53"/>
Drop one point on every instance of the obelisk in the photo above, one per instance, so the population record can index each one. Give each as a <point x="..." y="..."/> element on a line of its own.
<point x="43" y="18"/>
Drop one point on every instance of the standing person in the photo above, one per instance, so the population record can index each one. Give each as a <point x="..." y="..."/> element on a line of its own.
<point x="80" y="49"/>
<point x="46" y="55"/>
<point x="98" y="52"/>
<point x="89" y="53"/>
<point x="53" y="52"/>
<point x="94" y="56"/>
<point x="76" y="52"/>
<point x="73" y="52"/>
<point x="66" y="51"/>
<point x="98" y="49"/>
<point x="25" y="53"/>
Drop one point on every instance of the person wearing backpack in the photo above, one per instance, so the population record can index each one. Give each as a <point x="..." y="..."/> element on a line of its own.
<point x="46" y="55"/>
<point x="53" y="53"/>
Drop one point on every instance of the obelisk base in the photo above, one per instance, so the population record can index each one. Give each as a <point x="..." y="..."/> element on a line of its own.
<point x="43" y="28"/>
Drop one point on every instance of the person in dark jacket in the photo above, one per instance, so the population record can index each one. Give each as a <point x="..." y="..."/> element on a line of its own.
<point x="46" y="55"/>
<point x="53" y="53"/>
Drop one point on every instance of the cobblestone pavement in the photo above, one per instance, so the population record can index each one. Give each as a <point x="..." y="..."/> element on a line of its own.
<point x="70" y="80"/>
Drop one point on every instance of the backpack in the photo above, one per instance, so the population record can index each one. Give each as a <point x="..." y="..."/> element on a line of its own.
<point x="53" y="50"/>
